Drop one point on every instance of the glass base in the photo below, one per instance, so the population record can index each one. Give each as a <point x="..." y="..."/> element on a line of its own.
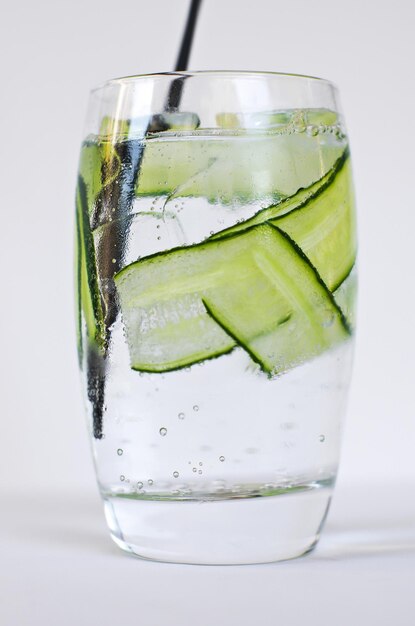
<point x="236" y="531"/>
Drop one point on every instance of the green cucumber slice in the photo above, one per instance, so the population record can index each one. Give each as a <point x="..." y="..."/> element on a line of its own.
<point x="99" y="166"/>
<point x="324" y="227"/>
<point x="254" y="289"/>
<point x="298" y="200"/>
<point x="286" y="315"/>
<point x="320" y="219"/>
<point x="346" y="295"/>
<point x="246" y="166"/>
<point x="88" y="295"/>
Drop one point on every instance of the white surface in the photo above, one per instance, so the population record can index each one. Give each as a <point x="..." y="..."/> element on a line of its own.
<point x="60" y="568"/>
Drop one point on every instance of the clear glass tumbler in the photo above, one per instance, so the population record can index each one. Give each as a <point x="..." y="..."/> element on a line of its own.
<point x="215" y="254"/>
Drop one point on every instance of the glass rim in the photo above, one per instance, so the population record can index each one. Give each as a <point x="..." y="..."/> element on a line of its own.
<point x="213" y="73"/>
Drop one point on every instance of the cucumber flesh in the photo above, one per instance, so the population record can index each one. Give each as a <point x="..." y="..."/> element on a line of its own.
<point x="254" y="289"/>
<point x="277" y="119"/>
<point x="285" y="315"/>
<point x="88" y="296"/>
<point x="248" y="166"/>
<point x="325" y="229"/>
<point x="320" y="219"/>
<point x="99" y="166"/>
<point x="298" y="200"/>
<point x="345" y="296"/>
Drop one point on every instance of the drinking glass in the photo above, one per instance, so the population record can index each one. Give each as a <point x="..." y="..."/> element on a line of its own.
<point x="215" y="256"/>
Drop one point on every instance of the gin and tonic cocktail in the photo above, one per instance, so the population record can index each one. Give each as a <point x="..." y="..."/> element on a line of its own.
<point x="216" y="247"/>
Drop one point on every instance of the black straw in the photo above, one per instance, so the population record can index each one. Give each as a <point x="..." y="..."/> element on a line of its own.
<point x="176" y="88"/>
<point x="186" y="45"/>
<point x="119" y="195"/>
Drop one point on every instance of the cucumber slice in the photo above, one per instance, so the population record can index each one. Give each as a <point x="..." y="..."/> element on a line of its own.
<point x="99" y="166"/>
<point x="324" y="227"/>
<point x="276" y="119"/>
<point x="296" y="201"/>
<point x="320" y="219"/>
<point x="247" y="166"/>
<point x="253" y="289"/>
<point x="286" y="315"/>
<point x="88" y="295"/>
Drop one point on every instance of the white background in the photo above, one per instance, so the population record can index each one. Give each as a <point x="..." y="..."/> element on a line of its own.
<point x="53" y="52"/>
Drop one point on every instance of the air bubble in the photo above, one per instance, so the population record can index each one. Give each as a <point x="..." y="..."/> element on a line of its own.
<point x="312" y="131"/>
<point x="181" y="416"/>
<point x="114" y="260"/>
<point x="200" y="472"/>
<point x="195" y="408"/>
<point x="140" y="485"/>
<point x="299" y="127"/>
<point x="122" y="478"/>
<point x="200" y="463"/>
<point x="159" y="238"/>
<point x="120" y="451"/>
<point x="150" y="481"/>
<point x="221" y="459"/>
<point x="163" y="432"/>
<point x="322" y="438"/>
<point x="194" y="469"/>
<point x="176" y="474"/>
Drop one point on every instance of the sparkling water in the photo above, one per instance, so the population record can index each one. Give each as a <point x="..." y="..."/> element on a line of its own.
<point x="257" y="451"/>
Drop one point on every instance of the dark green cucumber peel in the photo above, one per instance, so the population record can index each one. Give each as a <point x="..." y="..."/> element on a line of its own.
<point x="296" y="202"/>
<point x="176" y="368"/>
